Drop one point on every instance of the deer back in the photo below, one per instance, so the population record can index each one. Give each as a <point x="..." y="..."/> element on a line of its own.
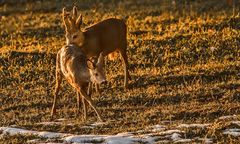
<point x="105" y="36"/>
<point x="73" y="64"/>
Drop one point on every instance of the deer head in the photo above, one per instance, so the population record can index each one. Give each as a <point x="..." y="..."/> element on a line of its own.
<point x="72" y="24"/>
<point x="96" y="69"/>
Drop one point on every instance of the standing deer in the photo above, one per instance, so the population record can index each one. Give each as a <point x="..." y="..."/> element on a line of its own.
<point x="108" y="36"/>
<point x="79" y="71"/>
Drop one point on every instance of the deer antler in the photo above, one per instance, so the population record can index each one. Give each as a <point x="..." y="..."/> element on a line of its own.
<point x="74" y="13"/>
<point x="65" y="18"/>
<point x="79" y="21"/>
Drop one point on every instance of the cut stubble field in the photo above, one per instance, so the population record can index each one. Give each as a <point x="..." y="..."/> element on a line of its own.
<point x="184" y="63"/>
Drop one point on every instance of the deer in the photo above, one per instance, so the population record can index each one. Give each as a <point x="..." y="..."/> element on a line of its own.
<point x="79" y="71"/>
<point x="108" y="36"/>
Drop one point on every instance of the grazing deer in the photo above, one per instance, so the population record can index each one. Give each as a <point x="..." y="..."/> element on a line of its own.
<point x="79" y="72"/>
<point x="108" y="36"/>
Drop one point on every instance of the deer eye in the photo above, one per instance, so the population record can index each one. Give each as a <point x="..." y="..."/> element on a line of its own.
<point x="96" y="74"/>
<point x="74" y="36"/>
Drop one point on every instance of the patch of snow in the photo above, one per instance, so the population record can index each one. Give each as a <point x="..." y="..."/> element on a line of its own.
<point x="236" y="122"/>
<point x="51" y="134"/>
<point x="109" y="139"/>
<point x="193" y="125"/>
<point x="234" y="132"/>
<point x="176" y="137"/>
<point x="127" y="138"/>
<point x="83" y="138"/>
<point x="156" y="128"/>
<point x="152" y="134"/>
<point x="169" y="132"/>
<point x="14" y="131"/>
<point x="149" y="138"/>
<point x="227" y="117"/>
<point x="183" y="141"/>
<point x="121" y="140"/>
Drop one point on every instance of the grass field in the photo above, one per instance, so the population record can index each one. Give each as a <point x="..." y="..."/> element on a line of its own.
<point x="184" y="60"/>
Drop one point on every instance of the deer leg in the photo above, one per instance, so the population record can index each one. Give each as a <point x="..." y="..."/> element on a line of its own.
<point x="84" y="109"/>
<point x="97" y="88"/>
<point x="91" y="103"/>
<point x="126" y="65"/>
<point x="78" y="101"/>
<point x="90" y="86"/>
<point x="57" y="87"/>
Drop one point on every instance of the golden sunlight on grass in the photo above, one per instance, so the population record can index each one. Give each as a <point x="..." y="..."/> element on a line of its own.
<point x="184" y="61"/>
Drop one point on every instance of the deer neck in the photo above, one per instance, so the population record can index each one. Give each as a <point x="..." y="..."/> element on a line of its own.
<point x="90" y="45"/>
<point x="82" y="40"/>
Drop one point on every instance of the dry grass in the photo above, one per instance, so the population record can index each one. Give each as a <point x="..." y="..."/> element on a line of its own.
<point x="184" y="61"/>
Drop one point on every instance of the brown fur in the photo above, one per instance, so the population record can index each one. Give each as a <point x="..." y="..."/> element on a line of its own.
<point x="74" y="66"/>
<point x="230" y="2"/>
<point x="107" y="36"/>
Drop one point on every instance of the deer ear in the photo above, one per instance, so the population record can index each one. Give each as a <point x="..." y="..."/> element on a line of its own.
<point x="90" y="64"/>
<point x="79" y="21"/>
<point x="100" y="58"/>
<point x="74" y="11"/>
